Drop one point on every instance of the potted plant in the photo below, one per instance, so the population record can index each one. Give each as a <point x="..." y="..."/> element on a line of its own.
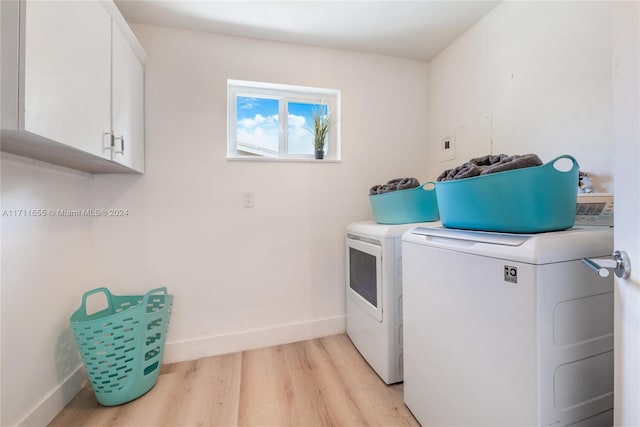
<point x="321" y="125"/>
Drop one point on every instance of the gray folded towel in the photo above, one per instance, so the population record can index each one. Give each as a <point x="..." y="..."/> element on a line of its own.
<point x="513" y="162"/>
<point x="394" y="185"/>
<point x="489" y="164"/>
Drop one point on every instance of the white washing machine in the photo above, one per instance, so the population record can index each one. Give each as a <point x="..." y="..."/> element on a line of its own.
<point x="503" y="329"/>
<point x="374" y="294"/>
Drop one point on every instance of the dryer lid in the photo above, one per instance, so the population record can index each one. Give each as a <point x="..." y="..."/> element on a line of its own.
<point x="474" y="236"/>
<point x="385" y="231"/>
<point x="539" y="248"/>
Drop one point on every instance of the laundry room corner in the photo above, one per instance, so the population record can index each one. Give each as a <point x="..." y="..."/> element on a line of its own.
<point x="536" y="91"/>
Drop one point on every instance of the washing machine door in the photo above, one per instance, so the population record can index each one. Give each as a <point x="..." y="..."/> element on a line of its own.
<point x="364" y="274"/>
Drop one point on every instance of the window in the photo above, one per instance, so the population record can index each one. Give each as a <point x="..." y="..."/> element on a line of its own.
<point x="272" y="121"/>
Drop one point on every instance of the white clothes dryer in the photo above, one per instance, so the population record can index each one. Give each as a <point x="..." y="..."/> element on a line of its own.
<point x="505" y="329"/>
<point x="374" y="294"/>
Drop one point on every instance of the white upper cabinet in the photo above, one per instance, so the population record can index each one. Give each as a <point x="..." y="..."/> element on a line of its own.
<point x="67" y="73"/>
<point x="72" y="85"/>
<point x="127" y="104"/>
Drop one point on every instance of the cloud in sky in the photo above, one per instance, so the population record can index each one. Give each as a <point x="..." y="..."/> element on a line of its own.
<point x="297" y="121"/>
<point x="300" y="139"/>
<point x="259" y="131"/>
<point x="258" y="120"/>
<point x="262" y="131"/>
<point x="245" y="103"/>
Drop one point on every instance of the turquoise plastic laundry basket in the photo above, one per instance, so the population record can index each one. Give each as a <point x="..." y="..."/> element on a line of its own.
<point x="121" y="346"/>
<point x="527" y="200"/>
<point x="417" y="204"/>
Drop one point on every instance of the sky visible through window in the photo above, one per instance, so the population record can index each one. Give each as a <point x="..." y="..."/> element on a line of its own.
<point x="258" y="125"/>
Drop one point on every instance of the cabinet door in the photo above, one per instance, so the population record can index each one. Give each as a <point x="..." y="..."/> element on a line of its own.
<point x="67" y="73"/>
<point x="127" y="104"/>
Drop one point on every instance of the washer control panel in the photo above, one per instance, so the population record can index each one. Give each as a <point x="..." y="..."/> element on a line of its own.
<point x="594" y="209"/>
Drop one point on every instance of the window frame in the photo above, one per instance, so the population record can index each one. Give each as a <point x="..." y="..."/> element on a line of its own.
<point x="284" y="94"/>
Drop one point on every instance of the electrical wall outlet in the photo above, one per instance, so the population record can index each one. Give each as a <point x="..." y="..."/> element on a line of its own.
<point x="248" y="199"/>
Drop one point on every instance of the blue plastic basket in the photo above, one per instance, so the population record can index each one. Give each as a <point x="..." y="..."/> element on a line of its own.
<point x="121" y="346"/>
<point x="527" y="200"/>
<point x="406" y="206"/>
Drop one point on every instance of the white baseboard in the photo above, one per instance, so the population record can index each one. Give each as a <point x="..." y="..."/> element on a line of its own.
<point x="47" y="409"/>
<point x="179" y="351"/>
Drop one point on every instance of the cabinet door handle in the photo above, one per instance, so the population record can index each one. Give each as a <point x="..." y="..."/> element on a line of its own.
<point x="111" y="143"/>
<point x="121" y="138"/>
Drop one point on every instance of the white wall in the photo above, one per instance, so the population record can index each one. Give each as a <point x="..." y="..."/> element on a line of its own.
<point x="46" y="265"/>
<point x="274" y="273"/>
<point x="528" y="77"/>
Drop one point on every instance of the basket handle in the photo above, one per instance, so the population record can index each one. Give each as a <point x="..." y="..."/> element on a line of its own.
<point x="433" y="184"/>
<point x="148" y="295"/>
<point x="559" y="167"/>
<point x="87" y="294"/>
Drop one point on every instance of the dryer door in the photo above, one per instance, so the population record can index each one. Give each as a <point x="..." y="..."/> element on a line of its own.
<point x="364" y="274"/>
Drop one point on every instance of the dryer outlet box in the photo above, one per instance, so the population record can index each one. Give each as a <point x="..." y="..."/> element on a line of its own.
<point x="447" y="148"/>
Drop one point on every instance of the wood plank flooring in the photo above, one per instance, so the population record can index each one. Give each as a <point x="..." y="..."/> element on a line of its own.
<point x="320" y="382"/>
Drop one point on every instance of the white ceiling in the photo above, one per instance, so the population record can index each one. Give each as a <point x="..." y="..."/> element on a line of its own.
<point x="407" y="29"/>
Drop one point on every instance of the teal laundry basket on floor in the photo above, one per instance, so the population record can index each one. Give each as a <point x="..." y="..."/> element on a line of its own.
<point x="121" y="346"/>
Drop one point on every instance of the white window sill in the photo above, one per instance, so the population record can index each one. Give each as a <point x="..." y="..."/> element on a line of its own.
<point x="275" y="159"/>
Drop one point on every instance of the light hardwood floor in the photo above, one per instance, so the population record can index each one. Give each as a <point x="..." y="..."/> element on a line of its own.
<point x="318" y="382"/>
